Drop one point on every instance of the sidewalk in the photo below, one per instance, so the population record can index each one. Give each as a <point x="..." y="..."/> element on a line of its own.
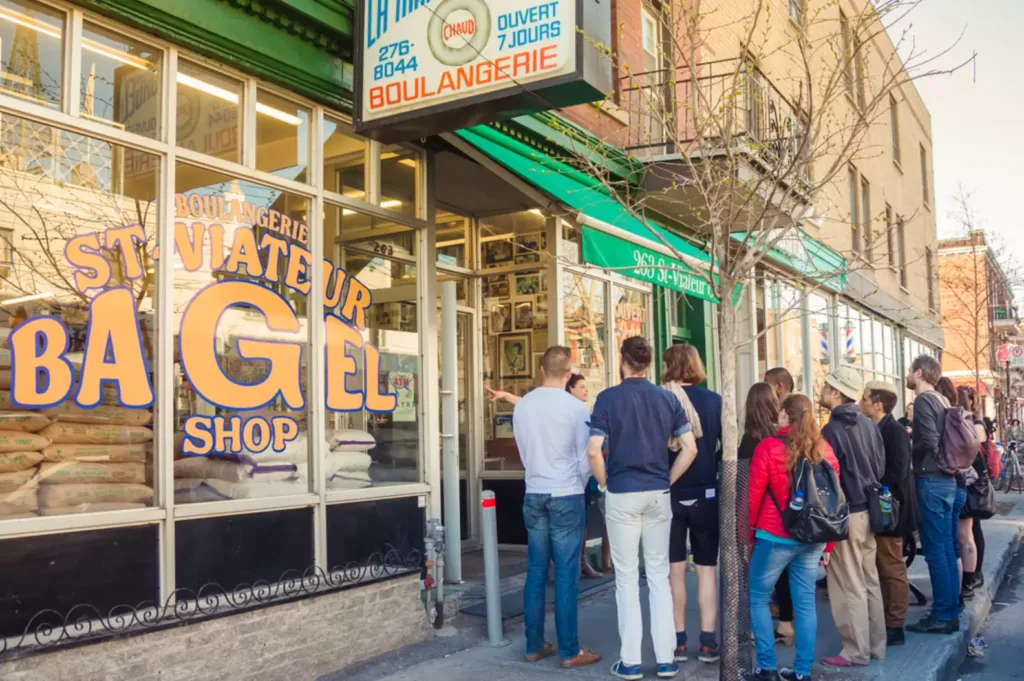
<point x="925" y="658"/>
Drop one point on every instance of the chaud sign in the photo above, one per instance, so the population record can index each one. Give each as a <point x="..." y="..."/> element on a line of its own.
<point x="429" y="66"/>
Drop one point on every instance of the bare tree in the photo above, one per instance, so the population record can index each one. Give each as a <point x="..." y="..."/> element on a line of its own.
<point x="745" y="160"/>
<point x="976" y="283"/>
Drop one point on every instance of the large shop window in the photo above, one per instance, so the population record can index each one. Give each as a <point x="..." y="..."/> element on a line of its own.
<point x="586" y="331"/>
<point x="80" y="217"/>
<point x="631" y="314"/>
<point x="370" y="447"/>
<point x="120" y="82"/>
<point x="231" y="231"/>
<point x="785" y="330"/>
<point x="515" y="324"/>
<point x="282" y="137"/>
<point x="33" y="55"/>
<point x="209" y="112"/>
<point x="869" y="345"/>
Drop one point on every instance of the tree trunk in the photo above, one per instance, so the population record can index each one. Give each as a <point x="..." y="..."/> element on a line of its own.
<point x="732" y="562"/>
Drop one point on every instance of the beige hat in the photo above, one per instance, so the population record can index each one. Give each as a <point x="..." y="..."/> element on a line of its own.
<point x="881" y="386"/>
<point x="847" y="381"/>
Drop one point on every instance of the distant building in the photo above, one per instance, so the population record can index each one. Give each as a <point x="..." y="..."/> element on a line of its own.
<point x="978" y="315"/>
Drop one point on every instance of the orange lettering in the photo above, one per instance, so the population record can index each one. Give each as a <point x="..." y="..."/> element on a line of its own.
<point x="113" y="334"/>
<point x="40" y="374"/>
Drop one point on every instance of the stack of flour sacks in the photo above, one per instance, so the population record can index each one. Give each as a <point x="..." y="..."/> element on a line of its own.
<point x="249" y="475"/>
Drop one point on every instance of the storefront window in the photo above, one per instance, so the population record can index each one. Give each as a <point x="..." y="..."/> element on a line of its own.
<point x="344" y="160"/>
<point x="785" y="333"/>
<point x="282" y="136"/>
<point x="631" y="314"/>
<point x="121" y="81"/>
<point x="586" y="330"/>
<point x="398" y="188"/>
<point x="515" y="331"/>
<point x="31" y="43"/>
<point x="81" y="276"/>
<point x="209" y="112"/>
<point x="370" y="447"/>
<point x="451" y="236"/>
<point x="820" y="342"/>
<point x="242" y="281"/>
<point x="513" y="239"/>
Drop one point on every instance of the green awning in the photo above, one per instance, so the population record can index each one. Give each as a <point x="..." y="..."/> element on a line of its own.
<point x="801" y="253"/>
<point x="639" y="249"/>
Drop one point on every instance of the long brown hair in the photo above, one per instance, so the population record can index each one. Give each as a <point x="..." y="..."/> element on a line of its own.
<point x="965" y="397"/>
<point x="804" y="438"/>
<point x="762" y="412"/>
<point x="946" y="388"/>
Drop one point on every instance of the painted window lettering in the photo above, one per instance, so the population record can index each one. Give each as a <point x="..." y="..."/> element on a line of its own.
<point x="265" y="246"/>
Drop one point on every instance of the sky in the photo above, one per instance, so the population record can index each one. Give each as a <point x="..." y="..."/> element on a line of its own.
<point x="977" y="113"/>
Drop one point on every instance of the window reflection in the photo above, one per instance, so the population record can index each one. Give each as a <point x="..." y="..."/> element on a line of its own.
<point x="31" y="45"/>
<point x="282" y="136"/>
<point x="377" y="449"/>
<point x="234" y="231"/>
<point x="398" y="187"/>
<point x="585" y="330"/>
<point x="209" y="112"/>
<point x="344" y="160"/>
<point x="121" y="81"/>
<point x="67" y="459"/>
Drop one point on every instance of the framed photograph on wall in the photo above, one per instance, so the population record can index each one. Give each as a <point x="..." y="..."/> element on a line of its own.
<point x="527" y="284"/>
<point x="501" y="318"/>
<point x="515" y="355"/>
<point x="498" y="286"/>
<point x="503" y="426"/>
<point x="524" y="316"/>
<point x="528" y="248"/>
<point x="540" y="315"/>
<point x="498" y="251"/>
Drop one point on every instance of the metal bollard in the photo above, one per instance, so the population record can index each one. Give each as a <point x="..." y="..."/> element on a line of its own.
<point x="492" y="576"/>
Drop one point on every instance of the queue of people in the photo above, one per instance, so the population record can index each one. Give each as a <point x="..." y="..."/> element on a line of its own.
<point x="652" y="453"/>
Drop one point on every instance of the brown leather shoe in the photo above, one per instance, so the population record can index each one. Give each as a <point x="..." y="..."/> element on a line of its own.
<point x="582" y="659"/>
<point x="547" y="651"/>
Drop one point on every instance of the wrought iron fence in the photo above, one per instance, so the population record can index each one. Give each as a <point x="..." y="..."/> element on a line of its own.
<point x="718" y="103"/>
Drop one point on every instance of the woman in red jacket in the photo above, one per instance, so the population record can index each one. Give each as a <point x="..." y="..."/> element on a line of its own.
<point x="799" y="436"/>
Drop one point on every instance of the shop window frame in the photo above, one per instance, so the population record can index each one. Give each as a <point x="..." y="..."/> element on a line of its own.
<point x="69" y="117"/>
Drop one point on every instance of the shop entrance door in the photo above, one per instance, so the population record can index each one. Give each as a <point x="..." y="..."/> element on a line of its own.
<point x="467" y="413"/>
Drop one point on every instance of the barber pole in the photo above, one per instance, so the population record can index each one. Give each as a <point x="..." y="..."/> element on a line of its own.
<point x="824" y="346"/>
<point x="851" y="355"/>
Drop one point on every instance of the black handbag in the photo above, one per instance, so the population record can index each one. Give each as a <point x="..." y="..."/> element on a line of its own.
<point x="981" y="499"/>
<point x="881" y="520"/>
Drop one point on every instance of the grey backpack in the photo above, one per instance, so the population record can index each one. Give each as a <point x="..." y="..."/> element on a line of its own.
<point x="959" y="445"/>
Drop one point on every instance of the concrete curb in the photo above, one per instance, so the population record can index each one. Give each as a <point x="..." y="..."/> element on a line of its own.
<point x="977" y="610"/>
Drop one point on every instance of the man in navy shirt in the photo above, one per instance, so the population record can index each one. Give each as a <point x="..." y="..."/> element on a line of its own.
<point x="640" y="421"/>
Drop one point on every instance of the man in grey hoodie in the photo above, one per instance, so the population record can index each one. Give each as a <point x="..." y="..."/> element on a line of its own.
<point x="853" y="587"/>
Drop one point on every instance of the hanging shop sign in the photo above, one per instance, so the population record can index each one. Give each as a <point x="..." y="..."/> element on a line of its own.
<point x="255" y="256"/>
<point x="428" y="66"/>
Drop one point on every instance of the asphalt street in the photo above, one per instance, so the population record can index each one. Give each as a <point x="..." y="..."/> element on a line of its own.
<point x="1003" y="632"/>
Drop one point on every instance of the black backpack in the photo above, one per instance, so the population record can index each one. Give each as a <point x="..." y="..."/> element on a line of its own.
<point x="825" y="516"/>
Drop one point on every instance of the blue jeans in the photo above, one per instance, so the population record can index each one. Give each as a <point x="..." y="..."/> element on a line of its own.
<point x="555" y="528"/>
<point x="959" y="501"/>
<point x="766" y="564"/>
<point x="935" y="499"/>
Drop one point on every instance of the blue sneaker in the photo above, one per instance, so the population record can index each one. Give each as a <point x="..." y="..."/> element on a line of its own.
<point x="630" y="672"/>
<point x="668" y="671"/>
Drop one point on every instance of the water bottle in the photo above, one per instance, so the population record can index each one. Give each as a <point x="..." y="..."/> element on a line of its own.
<point x="885" y="500"/>
<point x="797" y="502"/>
